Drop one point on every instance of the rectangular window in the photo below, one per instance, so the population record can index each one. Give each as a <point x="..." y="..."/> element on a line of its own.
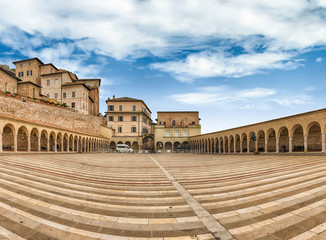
<point x="73" y="105"/>
<point x="33" y="92"/>
<point x="55" y="96"/>
<point x="119" y="129"/>
<point x="176" y="134"/>
<point x="185" y="134"/>
<point x="168" y="134"/>
<point x="134" y="108"/>
<point x="111" y="118"/>
<point x="56" y="82"/>
<point x="47" y="82"/>
<point x="73" y="94"/>
<point x="48" y="95"/>
<point x="133" y="118"/>
<point x="21" y="74"/>
<point x="120" y="108"/>
<point x="133" y="129"/>
<point x="120" y="118"/>
<point x="111" y="108"/>
<point x="29" y="73"/>
<point x="64" y="95"/>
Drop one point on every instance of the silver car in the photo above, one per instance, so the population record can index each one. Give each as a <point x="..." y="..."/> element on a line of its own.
<point x="123" y="148"/>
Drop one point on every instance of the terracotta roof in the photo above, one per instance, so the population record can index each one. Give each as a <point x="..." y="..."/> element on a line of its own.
<point x="24" y="82"/>
<point x="177" y="112"/>
<point x="127" y="99"/>
<point x="51" y="65"/>
<point x="29" y="60"/>
<point x="95" y="79"/>
<point x="11" y="74"/>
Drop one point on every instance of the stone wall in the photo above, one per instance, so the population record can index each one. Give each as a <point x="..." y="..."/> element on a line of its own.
<point x="48" y="115"/>
<point x="11" y="82"/>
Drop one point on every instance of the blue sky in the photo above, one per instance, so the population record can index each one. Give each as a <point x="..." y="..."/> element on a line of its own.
<point x="236" y="62"/>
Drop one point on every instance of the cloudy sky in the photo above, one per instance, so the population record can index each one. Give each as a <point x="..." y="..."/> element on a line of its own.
<point x="236" y="62"/>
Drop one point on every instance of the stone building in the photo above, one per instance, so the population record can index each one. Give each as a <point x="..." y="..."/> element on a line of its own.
<point x="8" y="80"/>
<point x="131" y="120"/>
<point x="41" y="80"/>
<point x="173" y="130"/>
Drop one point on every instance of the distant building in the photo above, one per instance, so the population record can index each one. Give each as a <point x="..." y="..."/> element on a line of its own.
<point x="41" y="80"/>
<point x="173" y="130"/>
<point x="131" y="120"/>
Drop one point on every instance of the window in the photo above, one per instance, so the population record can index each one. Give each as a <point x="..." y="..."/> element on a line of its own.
<point x="64" y="95"/>
<point x="73" y="105"/>
<point x="20" y="65"/>
<point x="73" y="94"/>
<point x="21" y="74"/>
<point x="55" y="96"/>
<point x="133" y="118"/>
<point x="176" y="134"/>
<point x="83" y="105"/>
<point x="29" y="73"/>
<point x="145" y="120"/>
<point x="111" y="118"/>
<point x="111" y="108"/>
<point x="120" y="118"/>
<point x="47" y="82"/>
<point x="6" y="86"/>
<point x="29" y="63"/>
<point x="48" y="95"/>
<point x="120" y="108"/>
<point x="173" y="123"/>
<point x="168" y="134"/>
<point x="15" y="90"/>
<point x="119" y="129"/>
<point x="33" y="92"/>
<point x="185" y="134"/>
<point x="133" y="129"/>
<point x="145" y="130"/>
<point x="56" y="82"/>
<point x="133" y="107"/>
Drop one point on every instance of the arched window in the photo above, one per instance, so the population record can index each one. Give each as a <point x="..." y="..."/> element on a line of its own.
<point x="33" y="92"/>
<point x="173" y="123"/>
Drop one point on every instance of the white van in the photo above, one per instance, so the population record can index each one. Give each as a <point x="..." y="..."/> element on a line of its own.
<point x="123" y="148"/>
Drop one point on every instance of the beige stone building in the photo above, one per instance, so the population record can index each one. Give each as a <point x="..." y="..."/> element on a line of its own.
<point x="173" y="130"/>
<point x="41" y="80"/>
<point x="131" y="120"/>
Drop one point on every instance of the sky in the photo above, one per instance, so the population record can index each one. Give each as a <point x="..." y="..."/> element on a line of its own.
<point x="236" y="62"/>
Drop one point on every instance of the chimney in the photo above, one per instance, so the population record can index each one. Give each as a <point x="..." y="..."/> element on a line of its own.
<point x="113" y="97"/>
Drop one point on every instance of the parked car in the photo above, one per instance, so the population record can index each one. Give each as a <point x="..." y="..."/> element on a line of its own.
<point x="123" y="148"/>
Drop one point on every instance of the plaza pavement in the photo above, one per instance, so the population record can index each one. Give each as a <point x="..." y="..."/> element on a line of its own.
<point x="162" y="196"/>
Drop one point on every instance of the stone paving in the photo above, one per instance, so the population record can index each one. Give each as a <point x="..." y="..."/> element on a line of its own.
<point x="163" y="197"/>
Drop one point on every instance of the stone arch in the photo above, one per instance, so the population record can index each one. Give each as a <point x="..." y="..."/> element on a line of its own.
<point x="260" y="138"/>
<point x="252" y="146"/>
<point x="76" y="144"/>
<point x="44" y="140"/>
<point x="209" y="146"/>
<point x="83" y="143"/>
<point x="297" y="138"/>
<point x="231" y="144"/>
<point x="314" y="139"/>
<point x="217" y="146"/>
<point x="271" y="140"/>
<point x="221" y="145"/>
<point x="213" y="145"/>
<point x="65" y="142"/>
<point x="168" y="146"/>
<point x="185" y="146"/>
<point x="71" y="143"/>
<point x="59" y="142"/>
<point x="113" y="146"/>
<point x="226" y="144"/>
<point x="244" y="142"/>
<point x="128" y="143"/>
<point x="237" y="143"/>
<point x="34" y="139"/>
<point x="283" y="134"/>
<point x="159" y="146"/>
<point x="135" y="146"/>
<point x="176" y="146"/>
<point x="8" y="139"/>
<point x="22" y="139"/>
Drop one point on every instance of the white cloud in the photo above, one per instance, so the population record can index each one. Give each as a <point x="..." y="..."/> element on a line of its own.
<point x="272" y="33"/>
<point x="255" y="98"/>
<point x="319" y="59"/>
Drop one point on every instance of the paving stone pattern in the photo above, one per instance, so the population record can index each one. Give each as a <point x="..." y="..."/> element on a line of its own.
<point x="129" y="196"/>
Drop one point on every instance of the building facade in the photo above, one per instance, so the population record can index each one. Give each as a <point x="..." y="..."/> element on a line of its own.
<point x="131" y="120"/>
<point x="173" y="130"/>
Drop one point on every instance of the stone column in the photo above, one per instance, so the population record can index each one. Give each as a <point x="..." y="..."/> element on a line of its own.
<point x="68" y="145"/>
<point x="55" y="145"/>
<point x="256" y="145"/>
<point x="241" y="146"/>
<point x="290" y="143"/>
<point x="323" y="142"/>
<point x="15" y="143"/>
<point x="277" y="145"/>
<point x="305" y="138"/>
<point x="248" y="145"/>
<point x="234" y="146"/>
<point x="266" y="145"/>
<point x="28" y="143"/>
<point x="39" y="144"/>
<point x="229" y="146"/>
<point x="1" y="147"/>
<point x="48" y="144"/>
